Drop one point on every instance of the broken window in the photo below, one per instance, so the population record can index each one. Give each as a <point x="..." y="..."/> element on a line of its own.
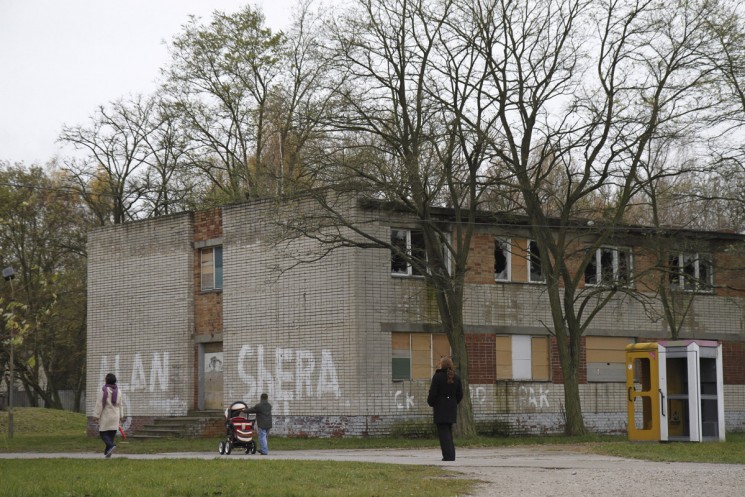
<point x="691" y="271"/>
<point x="502" y="260"/>
<point x="535" y="271"/>
<point x="407" y="248"/>
<point x="609" y="266"/>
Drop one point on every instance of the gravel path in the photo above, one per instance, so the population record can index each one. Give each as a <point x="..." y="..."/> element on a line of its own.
<point x="525" y="471"/>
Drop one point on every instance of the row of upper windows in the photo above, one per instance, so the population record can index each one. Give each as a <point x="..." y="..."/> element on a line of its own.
<point x="611" y="265"/>
<point x="690" y="271"/>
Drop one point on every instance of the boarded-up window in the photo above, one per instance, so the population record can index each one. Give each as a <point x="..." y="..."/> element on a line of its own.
<point x="401" y="356"/>
<point x="421" y="356"/>
<point x="414" y="356"/>
<point x="539" y="358"/>
<point x="522" y="357"/>
<point x="440" y="347"/>
<point x="504" y="358"/>
<point x="606" y="358"/>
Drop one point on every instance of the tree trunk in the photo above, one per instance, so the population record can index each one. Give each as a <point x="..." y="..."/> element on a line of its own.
<point x="575" y="424"/>
<point x="569" y="358"/>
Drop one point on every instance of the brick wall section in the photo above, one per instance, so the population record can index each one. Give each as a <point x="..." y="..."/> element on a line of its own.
<point x="140" y="314"/>
<point x="208" y="310"/>
<point x="557" y="377"/>
<point x="733" y="363"/>
<point x="481" y="358"/>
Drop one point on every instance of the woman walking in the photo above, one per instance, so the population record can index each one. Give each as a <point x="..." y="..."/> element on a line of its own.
<point x="445" y="393"/>
<point x="108" y="413"/>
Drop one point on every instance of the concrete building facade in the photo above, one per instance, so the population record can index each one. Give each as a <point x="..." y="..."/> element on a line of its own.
<point x="195" y="310"/>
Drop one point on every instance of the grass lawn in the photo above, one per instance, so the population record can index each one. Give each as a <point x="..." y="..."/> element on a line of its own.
<point x="45" y="430"/>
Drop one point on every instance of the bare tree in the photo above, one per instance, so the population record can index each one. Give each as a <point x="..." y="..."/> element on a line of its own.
<point x="583" y="88"/>
<point x="545" y="104"/>
<point x="115" y="156"/>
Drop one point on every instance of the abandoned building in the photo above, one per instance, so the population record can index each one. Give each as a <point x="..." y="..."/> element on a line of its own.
<point x="195" y="310"/>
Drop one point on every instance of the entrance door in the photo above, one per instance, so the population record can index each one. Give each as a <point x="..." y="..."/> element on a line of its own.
<point x="212" y="375"/>
<point x="645" y="387"/>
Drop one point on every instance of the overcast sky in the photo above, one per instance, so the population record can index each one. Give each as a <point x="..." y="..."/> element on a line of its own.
<point x="60" y="59"/>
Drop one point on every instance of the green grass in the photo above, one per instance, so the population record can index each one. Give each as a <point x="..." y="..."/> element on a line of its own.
<point x="45" y="430"/>
<point x="244" y="477"/>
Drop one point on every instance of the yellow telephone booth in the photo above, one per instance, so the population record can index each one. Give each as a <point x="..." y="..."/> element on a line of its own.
<point x="645" y="383"/>
<point x="675" y="391"/>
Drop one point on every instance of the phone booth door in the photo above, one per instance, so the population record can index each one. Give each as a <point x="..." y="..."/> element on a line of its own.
<point x="645" y="388"/>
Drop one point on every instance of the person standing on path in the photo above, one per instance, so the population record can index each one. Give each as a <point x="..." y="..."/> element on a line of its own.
<point x="263" y="411"/>
<point x="445" y="393"/>
<point x="109" y="413"/>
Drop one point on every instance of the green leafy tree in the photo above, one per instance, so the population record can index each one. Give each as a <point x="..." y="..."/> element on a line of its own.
<point x="42" y="236"/>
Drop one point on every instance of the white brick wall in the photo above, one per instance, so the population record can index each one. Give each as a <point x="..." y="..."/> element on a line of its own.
<point x="140" y="317"/>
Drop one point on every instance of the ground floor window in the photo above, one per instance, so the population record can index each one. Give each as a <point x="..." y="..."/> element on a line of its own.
<point x="606" y="358"/>
<point x="522" y="357"/>
<point x="414" y="356"/>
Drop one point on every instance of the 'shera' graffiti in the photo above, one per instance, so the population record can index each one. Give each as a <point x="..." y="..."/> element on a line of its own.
<point x="295" y="374"/>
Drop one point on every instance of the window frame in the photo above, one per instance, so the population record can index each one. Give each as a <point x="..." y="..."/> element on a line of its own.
<point x="506" y="245"/>
<point x="412" y="355"/>
<point x="615" y="277"/>
<point x="216" y="270"/>
<point x="530" y="354"/>
<point x="679" y="277"/>
<point x="411" y="271"/>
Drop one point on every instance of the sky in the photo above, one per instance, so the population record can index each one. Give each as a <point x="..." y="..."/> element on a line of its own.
<point x="61" y="59"/>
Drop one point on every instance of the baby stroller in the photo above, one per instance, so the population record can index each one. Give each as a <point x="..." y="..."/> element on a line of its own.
<point x="239" y="430"/>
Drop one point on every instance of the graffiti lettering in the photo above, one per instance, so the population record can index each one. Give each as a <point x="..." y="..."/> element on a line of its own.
<point x="406" y="403"/>
<point x="159" y="374"/>
<point x="478" y="394"/>
<point x="527" y="398"/>
<point x="278" y="385"/>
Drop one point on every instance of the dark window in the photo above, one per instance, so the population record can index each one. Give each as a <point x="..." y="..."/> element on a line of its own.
<point x="534" y="263"/>
<point x="501" y="260"/>
<point x="609" y="266"/>
<point x="691" y="272"/>
<point x="407" y="248"/>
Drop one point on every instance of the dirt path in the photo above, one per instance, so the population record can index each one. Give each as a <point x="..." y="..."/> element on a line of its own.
<point x="527" y="471"/>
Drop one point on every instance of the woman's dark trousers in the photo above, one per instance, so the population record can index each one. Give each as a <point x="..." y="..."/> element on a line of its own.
<point x="445" y="432"/>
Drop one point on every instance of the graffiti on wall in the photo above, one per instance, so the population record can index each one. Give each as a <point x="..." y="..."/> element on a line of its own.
<point x="297" y="374"/>
<point x="527" y="397"/>
<point x="149" y="373"/>
<point x="406" y="400"/>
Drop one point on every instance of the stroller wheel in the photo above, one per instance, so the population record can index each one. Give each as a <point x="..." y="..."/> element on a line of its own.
<point x="221" y="448"/>
<point x="248" y="449"/>
<point x="253" y="448"/>
<point x="228" y="448"/>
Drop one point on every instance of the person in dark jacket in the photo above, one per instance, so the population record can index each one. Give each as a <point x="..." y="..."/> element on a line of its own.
<point x="445" y="393"/>
<point x="263" y="411"/>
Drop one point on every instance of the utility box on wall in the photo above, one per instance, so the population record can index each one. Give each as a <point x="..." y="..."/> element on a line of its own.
<point x="675" y="391"/>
